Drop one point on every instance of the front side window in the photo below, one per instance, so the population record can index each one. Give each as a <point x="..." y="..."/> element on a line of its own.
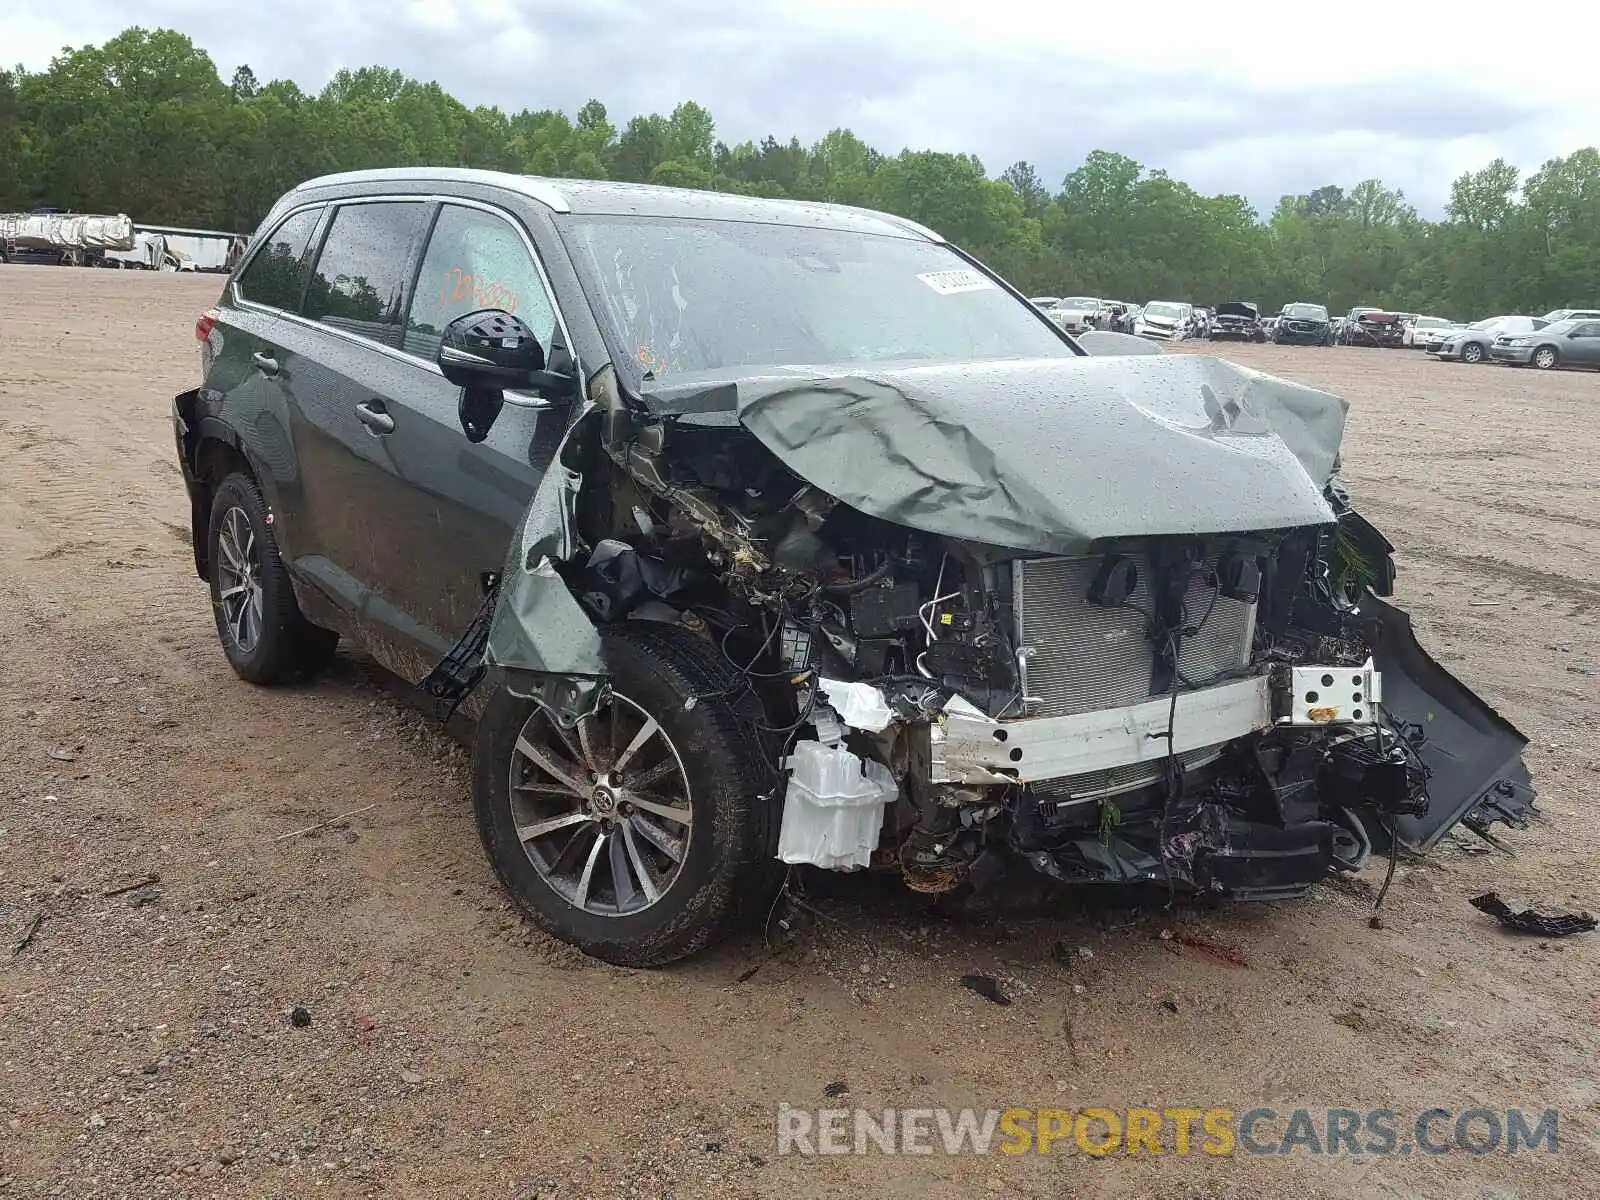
<point x="681" y="295"/>
<point x="358" y="284"/>
<point x="277" y="274"/>
<point x="475" y="260"/>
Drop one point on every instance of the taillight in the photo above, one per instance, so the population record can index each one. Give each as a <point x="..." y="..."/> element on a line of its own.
<point x="204" y="325"/>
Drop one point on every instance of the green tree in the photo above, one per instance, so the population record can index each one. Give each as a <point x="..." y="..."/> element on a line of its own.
<point x="1030" y="189"/>
<point x="143" y="124"/>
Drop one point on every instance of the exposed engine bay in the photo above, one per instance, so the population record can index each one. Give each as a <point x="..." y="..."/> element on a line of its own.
<point x="1233" y="713"/>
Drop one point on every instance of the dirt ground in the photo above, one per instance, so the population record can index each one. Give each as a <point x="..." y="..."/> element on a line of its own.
<point x="145" y="1043"/>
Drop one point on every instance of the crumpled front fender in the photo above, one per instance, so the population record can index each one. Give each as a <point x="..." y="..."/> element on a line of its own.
<point x="541" y="640"/>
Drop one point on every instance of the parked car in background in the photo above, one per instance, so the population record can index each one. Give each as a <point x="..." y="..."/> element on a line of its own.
<point x="1571" y="343"/>
<point x="1164" y="320"/>
<point x="1114" y="316"/>
<point x="1571" y="314"/>
<point x="1129" y="316"/>
<point x="1238" y="321"/>
<point x="1429" y="331"/>
<point x="1471" y="345"/>
<point x="1304" y="325"/>
<point x="1376" y="327"/>
<point x="1347" y="322"/>
<point x="1044" y="301"/>
<point x="1077" y="313"/>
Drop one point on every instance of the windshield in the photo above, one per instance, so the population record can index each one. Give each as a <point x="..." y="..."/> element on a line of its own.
<point x="1486" y="323"/>
<point x="1557" y="314"/>
<point x="1432" y="323"/>
<point x="1079" y="302"/>
<point x="1306" y="312"/>
<point x="1565" y="326"/>
<point x="680" y="295"/>
<point x="1160" y="308"/>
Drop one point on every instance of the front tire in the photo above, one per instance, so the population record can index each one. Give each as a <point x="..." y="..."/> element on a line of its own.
<point x="1546" y="358"/>
<point x="263" y="634"/>
<point x="1472" y="353"/>
<point x="649" y="831"/>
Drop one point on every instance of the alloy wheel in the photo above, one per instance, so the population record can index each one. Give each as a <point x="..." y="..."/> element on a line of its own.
<point x="1545" y="358"/>
<point x="603" y="811"/>
<point x="239" y="579"/>
<point x="1471" y="352"/>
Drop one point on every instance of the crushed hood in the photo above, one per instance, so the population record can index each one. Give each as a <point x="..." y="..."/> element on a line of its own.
<point x="1049" y="455"/>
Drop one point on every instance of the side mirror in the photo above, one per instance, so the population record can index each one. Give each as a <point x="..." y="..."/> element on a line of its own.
<point x="486" y="352"/>
<point x="489" y="348"/>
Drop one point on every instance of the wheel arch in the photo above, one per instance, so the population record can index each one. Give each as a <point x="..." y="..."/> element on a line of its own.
<point x="219" y="451"/>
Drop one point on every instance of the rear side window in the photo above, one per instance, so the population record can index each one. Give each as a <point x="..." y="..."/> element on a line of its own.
<point x="277" y="274"/>
<point x="475" y="260"/>
<point x="358" y="284"/>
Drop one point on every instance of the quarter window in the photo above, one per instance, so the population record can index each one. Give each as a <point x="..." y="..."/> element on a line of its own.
<point x="475" y="260"/>
<point x="359" y="281"/>
<point x="277" y="274"/>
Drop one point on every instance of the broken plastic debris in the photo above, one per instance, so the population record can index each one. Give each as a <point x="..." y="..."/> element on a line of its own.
<point x="1531" y="921"/>
<point x="859" y="705"/>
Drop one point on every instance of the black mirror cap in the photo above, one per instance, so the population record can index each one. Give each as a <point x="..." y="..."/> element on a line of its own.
<point x="489" y="348"/>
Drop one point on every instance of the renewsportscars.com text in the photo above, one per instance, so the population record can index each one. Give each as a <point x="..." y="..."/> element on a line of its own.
<point x="1178" y="1130"/>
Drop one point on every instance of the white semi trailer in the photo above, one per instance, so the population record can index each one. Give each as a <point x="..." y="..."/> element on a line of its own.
<point x="73" y="239"/>
<point x="198" y="249"/>
<point x="86" y="240"/>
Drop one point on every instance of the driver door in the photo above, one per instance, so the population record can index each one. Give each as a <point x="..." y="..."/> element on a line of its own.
<point x="459" y="503"/>
<point x="1583" y="344"/>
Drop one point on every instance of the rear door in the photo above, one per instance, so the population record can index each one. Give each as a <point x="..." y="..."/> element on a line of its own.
<point x="455" y="505"/>
<point x="253" y="346"/>
<point x="343" y="380"/>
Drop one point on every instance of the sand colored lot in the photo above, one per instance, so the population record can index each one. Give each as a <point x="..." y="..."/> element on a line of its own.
<point x="145" y="1046"/>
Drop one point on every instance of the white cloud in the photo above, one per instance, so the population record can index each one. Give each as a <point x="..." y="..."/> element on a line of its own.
<point x="1254" y="104"/>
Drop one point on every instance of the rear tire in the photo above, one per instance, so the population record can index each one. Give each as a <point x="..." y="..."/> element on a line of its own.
<point x="582" y="876"/>
<point x="1546" y="358"/>
<point x="263" y="634"/>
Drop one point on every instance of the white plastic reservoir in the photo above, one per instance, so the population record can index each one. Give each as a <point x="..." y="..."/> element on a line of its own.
<point x="833" y="808"/>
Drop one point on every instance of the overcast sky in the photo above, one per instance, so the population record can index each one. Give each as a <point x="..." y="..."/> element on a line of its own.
<point x="1250" y="96"/>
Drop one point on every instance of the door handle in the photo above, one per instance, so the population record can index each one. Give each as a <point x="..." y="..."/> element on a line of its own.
<point x="371" y="414"/>
<point x="265" y="363"/>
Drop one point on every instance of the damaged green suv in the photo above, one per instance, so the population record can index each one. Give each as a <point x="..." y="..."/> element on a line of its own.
<point x="758" y="534"/>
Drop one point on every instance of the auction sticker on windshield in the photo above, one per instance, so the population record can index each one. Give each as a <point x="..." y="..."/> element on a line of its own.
<point x="948" y="283"/>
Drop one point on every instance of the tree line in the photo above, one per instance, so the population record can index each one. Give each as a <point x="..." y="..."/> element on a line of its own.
<point x="145" y="125"/>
